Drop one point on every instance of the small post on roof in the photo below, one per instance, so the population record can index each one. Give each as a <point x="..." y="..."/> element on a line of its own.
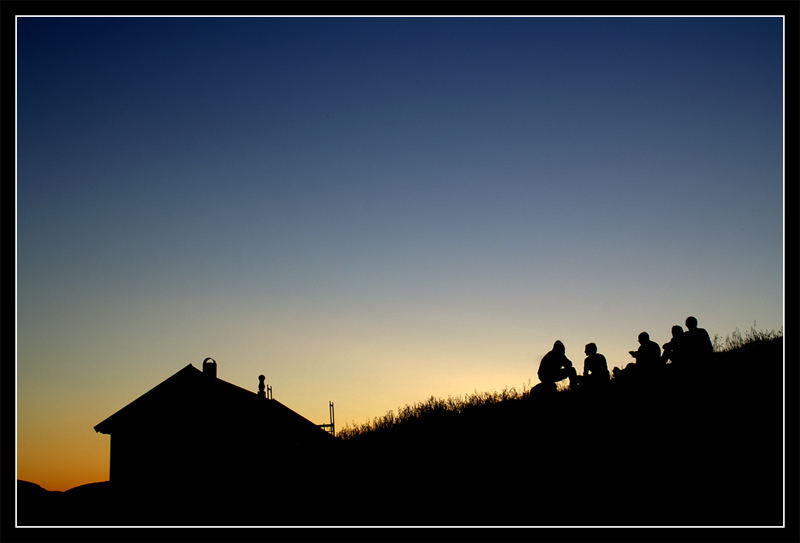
<point x="261" y="393"/>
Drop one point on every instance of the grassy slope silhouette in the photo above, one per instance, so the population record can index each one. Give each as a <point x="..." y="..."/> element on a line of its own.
<point x="706" y="451"/>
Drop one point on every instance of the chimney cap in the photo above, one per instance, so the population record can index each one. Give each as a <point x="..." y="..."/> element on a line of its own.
<point x="210" y="368"/>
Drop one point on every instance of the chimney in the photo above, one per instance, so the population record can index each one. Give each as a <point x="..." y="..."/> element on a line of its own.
<point x="210" y="368"/>
<point x="262" y="392"/>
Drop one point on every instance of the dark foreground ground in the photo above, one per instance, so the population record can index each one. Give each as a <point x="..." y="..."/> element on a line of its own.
<point x="702" y="452"/>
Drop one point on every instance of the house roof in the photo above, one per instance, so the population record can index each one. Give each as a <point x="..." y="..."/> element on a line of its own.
<point x="189" y="393"/>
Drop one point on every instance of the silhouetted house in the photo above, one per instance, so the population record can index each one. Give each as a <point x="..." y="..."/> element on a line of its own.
<point x="197" y="432"/>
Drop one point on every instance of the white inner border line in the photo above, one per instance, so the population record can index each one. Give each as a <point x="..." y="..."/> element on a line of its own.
<point x="16" y="233"/>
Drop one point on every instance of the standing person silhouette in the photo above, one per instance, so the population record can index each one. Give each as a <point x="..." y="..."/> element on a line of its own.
<point x="648" y="356"/>
<point x="555" y="366"/>
<point x="696" y="344"/>
<point x="595" y="367"/>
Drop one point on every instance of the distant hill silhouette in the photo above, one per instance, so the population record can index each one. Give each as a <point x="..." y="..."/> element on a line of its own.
<point x="75" y="506"/>
<point x="707" y="451"/>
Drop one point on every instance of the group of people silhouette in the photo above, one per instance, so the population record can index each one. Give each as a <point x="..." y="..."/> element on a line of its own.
<point x="685" y="350"/>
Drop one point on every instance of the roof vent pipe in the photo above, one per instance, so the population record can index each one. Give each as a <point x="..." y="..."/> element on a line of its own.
<point x="262" y="392"/>
<point x="210" y="367"/>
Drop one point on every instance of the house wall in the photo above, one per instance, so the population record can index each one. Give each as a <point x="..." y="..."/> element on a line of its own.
<point x="195" y="458"/>
<point x="194" y="455"/>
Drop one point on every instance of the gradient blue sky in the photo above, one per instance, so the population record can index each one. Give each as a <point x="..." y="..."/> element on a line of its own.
<point x="376" y="210"/>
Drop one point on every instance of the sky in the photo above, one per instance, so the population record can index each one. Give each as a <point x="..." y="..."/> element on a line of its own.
<point x="373" y="211"/>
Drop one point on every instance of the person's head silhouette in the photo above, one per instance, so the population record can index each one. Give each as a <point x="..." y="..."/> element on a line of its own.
<point x="691" y="323"/>
<point x="677" y="331"/>
<point x="590" y="349"/>
<point x="558" y="347"/>
<point x="644" y="337"/>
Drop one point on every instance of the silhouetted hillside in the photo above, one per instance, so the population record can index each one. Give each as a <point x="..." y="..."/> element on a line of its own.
<point x="703" y="451"/>
<point x="706" y="451"/>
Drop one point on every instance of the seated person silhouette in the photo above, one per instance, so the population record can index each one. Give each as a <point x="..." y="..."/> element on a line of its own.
<point x="595" y="368"/>
<point x="648" y="356"/>
<point x="697" y="346"/>
<point x="555" y="366"/>
<point x="673" y="350"/>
